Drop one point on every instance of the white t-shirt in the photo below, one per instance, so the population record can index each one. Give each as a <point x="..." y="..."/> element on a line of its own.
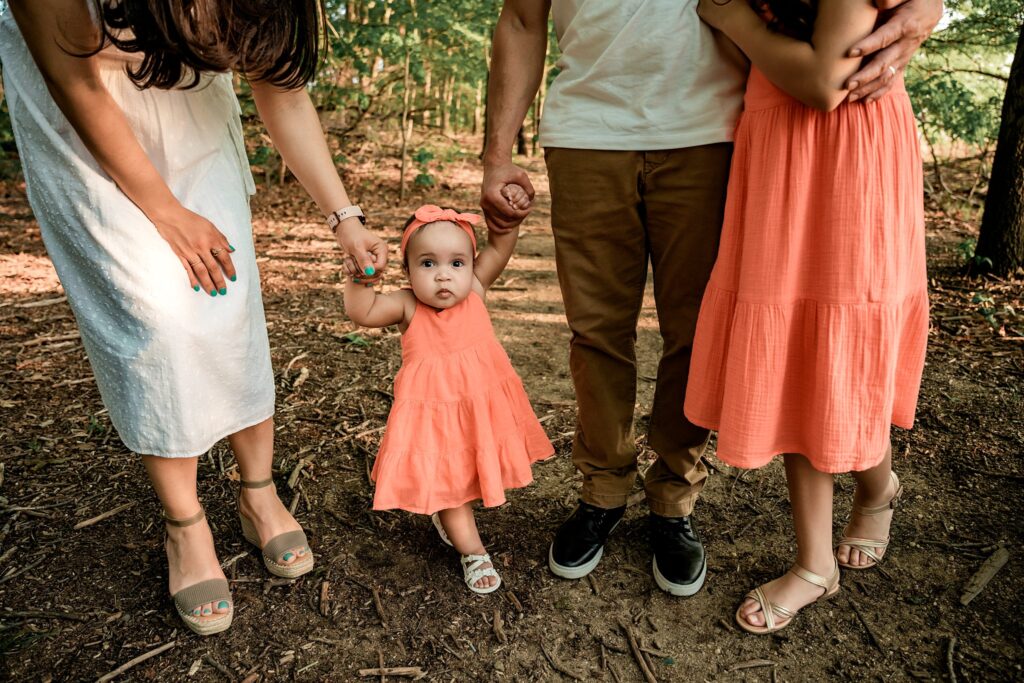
<point x="640" y="75"/>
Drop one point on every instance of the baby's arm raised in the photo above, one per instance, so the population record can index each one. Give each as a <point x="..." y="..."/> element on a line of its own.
<point x="814" y="73"/>
<point x="369" y="308"/>
<point x="493" y="258"/>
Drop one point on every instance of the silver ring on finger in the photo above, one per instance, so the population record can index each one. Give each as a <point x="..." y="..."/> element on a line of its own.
<point x="892" y="70"/>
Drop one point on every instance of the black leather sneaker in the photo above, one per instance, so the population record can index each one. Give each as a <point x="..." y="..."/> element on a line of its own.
<point x="579" y="542"/>
<point x="680" y="564"/>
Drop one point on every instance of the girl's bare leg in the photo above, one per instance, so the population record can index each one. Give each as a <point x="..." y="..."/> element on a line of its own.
<point x="810" y="496"/>
<point x="874" y="488"/>
<point x="460" y="525"/>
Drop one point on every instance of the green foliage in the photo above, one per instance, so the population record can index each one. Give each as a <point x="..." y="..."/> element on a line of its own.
<point x="994" y="315"/>
<point x="422" y="159"/>
<point x="969" y="257"/>
<point x="958" y="78"/>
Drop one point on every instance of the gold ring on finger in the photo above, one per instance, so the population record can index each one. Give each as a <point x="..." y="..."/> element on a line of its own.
<point x="195" y="263"/>
<point x="216" y="252"/>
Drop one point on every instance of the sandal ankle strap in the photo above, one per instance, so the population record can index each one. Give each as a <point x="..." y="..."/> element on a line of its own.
<point x="256" y="484"/>
<point x="885" y="507"/>
<point x="188" y="521"/>
<point x="825" y="583"/>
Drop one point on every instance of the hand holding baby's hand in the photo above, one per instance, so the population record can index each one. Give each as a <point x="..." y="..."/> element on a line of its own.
<point x="353" y="271"/>
<point x="516" y="196"/>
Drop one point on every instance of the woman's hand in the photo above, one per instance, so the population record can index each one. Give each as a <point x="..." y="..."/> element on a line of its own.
<point x="203" y="250"/>
<point x="366" y="253"/>
<point x="716" y="13"/>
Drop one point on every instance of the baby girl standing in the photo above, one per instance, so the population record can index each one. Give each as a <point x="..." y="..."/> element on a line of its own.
<point x="811" y="337"/>
<point x="461" y="428"/>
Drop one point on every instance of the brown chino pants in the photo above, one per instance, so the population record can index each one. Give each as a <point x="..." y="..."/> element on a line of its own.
<point x="611" y="211"/>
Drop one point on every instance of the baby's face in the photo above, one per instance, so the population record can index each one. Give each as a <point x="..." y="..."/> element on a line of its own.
<point x="440" y="260"/>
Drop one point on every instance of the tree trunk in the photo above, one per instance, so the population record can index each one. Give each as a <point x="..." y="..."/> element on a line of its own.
<point x="406" y="124"/>
<point x="1001" y="239"/>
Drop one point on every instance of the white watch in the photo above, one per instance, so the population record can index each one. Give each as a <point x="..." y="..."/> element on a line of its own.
<point x="338" y="215"/>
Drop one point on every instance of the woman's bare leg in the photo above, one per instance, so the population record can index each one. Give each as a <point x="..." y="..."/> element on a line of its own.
<point x="254" y="451"/>
<point x="810" y="496"/>
<point x="191" y="556"/>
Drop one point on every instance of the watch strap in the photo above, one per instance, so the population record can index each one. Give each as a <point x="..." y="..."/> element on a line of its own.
<point x="338" y="215"/>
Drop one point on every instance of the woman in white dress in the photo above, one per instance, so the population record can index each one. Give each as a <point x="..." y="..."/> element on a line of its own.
<point x="129" y="134"/>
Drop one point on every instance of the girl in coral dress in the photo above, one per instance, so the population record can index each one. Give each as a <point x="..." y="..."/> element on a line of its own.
<point x="461" y="427"/>
<point x="811" y="336"/>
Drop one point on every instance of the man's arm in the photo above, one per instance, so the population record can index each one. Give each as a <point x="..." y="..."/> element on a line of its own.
<point x="517" y="65"/>
<point x="888" y="50"/>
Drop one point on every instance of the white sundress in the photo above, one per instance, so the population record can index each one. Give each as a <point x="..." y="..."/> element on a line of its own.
<point x="177" y="369"/>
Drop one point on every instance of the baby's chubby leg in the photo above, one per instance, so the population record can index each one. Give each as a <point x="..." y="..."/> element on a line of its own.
<point x="460" y="525"/>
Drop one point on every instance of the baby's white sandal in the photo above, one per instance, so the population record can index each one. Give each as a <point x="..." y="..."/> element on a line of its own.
<point x="472" y="572"/>
<point x="436" y="519"/>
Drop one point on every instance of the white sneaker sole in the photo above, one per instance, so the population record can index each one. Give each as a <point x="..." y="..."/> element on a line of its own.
<point x="580" y="571"/>
<point x="683" y="590"/>
<point x="572" y="572"/>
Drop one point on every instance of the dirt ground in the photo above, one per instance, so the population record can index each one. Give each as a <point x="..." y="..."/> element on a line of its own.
<point x="79" y="601"/>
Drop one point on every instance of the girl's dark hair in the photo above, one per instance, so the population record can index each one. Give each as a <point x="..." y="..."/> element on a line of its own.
<point x="793" y="18"/>
<point x="278" y="41"/>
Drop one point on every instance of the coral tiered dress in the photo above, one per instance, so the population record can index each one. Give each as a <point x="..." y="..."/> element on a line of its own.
<point x="461" y="427"/>
<point x="812" y="332"/>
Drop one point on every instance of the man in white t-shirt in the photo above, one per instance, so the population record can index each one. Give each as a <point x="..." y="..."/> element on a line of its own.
<point x="637" y="132"/>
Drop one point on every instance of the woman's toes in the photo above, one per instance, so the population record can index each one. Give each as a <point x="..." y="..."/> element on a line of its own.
<point x="843" y="554"/>
<point x="751" y="612"/>
<point x="207" y="609"/>
<point x="197" y="612"/>
<point x="222" y="607"/>
<point x="288" y="557"/>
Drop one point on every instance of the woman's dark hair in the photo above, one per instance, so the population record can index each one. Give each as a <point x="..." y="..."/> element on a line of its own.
<point x="793" y="18"/>
<point x="278" y="41"/>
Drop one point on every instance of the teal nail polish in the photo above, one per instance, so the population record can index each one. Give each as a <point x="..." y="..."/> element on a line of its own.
<point x="223" y="604"/>
<point x="213" y="292"/>
<point x="207" y="611"/>
<point x="223" y="291"/>
<point x="287" y="557"/>
<point x="356" y="280"/>
<point x="233" y="278"/>
<point x="230" y="248"/>
<point x="195" y="287"/>
<point x="369" y="270"/>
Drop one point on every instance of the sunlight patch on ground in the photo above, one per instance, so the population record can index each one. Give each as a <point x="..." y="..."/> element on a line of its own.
<point x="22" y="274"/>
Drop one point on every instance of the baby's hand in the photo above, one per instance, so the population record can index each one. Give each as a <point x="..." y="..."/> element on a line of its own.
<point x="516" y="196"/>
<point x="352" y="271"/>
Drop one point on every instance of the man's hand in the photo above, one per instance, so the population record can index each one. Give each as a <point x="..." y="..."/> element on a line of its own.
<point x="908" y="23"/>
<point x="500" y="214"/>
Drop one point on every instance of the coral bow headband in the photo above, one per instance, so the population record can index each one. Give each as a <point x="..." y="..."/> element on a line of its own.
<point x="429" y="213"/>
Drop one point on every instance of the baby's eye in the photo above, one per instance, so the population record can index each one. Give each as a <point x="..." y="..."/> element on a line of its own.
<point x="426" y="263"/>
<point x="458" y="263"/>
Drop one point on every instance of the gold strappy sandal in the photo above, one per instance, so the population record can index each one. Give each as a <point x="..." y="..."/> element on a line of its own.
<point x="212" y="590"/>
<point x="868" y="546"/>
<point x="777" y="617"/>
<point x="278" y="545"/>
